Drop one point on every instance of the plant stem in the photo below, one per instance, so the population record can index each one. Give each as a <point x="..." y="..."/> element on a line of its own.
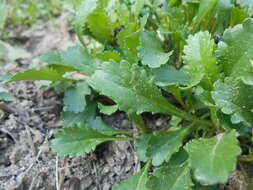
<point x="214" y="118"/>
<point x="170" y="109"/>
<point x="177" y="94"/>
<point x="245" y="159"/>
<point x="123" y="139"/>
<point x="138" y="121"/>
<point x="126" y="132"/>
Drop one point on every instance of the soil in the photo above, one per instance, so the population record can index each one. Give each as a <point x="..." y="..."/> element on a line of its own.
<point x="26" y="161"/>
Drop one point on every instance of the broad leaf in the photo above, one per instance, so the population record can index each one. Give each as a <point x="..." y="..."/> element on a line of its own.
<point x="141" y="147"/>
<point x="236" y="52"/>
<point x="168" y="75"/>
<point x="99" y="125"/>
<point x="75" y="141"/>
<point x="234" y="97"/>
<point x="136" y="182"/>
<point x="137" y="6"/>
<point x="87" y="7"/>
<point x="163" y="144"/>
<point x="199" y="59"/>
<point x="131" y="88"/>
<point x="108" y="110"/>
<point x="128" y="40"/>
<point x="45" y="73"/>
<point x="213" y="159"/>
<point x="74" y="99"/>
<point x="171" y="178"/>
<point x="108" y="55"/>
<point x="79" y="119"/>
<point x="52" y="57"/>
<point x="100" y="26"/>
<point x="204" y="8"/>
<point x="151" y="50"/>
<point x="79" y="58"/>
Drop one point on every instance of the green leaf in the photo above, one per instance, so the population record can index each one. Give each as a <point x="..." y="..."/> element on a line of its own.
<point x="204" y="8"/>
<point x="6" y="96"/>
<point x="225" y="122"/>
<point x="213" y="159"/>
<point x="140" y="94"/>
<point x="74" y="99"/>
<point x="75" y="141"/>
<point x="151" y="50"/>
<point x="79" y="58"/>
<point x="100" y="26"/>
<point x="128" y="40"/>
<point x="234" y="98"/>
<point x="108" y="55"/>
<point x="168" y="75"/>
<point x="199" y="59"/>
<point x="45" y="73"/>
<point x="3" y="13"/>
<point x="137" y="6"/>
<point x="171" y="178"/>
<point x="236" y="52"/>
<point x="99" y="125"/>
<point x="222" y="12"/>
<point x="53" y="57"/>
<point x="141" y="147"/>
<point x="73" y="119"/>
<point x="136" y="182"/>
<point x="107" y="110"/>
<point x="87" y="7"/>
<point x="237" y="16"/>
<point x="163" y="144"/>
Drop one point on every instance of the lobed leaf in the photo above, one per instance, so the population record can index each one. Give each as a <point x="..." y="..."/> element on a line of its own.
<point x="107" y="110"/>
<point x="45" y="73"/>
<point x="163" y="144"/>
<point x="151" y="50"/>
<point x="137" y="181"/>
<point x="213" y="159"/>
<point x="100" y="26"/>
<point x="171" y="178"/>
<point x="74" y="99"/>
<point x="79" y="58"/>
<point x="132" y="89"/>
<point x="168" y="75"/>
<point x="234" y="98"/>
<point x="235" y="50"/>
<point x="199" y="59"/>
<point x="128" y="40"/>
<point x="87" y="7"/>
<point x="75" y="141"/>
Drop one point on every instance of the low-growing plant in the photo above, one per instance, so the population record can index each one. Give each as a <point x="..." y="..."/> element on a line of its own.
<point x="189" y="59"/>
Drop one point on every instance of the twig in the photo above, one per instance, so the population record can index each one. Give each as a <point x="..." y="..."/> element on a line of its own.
<point x="56" y="174"/>
<point x="33" y="181"/>
<point x="96" y="175"/>
<point x="30" y="167"/>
